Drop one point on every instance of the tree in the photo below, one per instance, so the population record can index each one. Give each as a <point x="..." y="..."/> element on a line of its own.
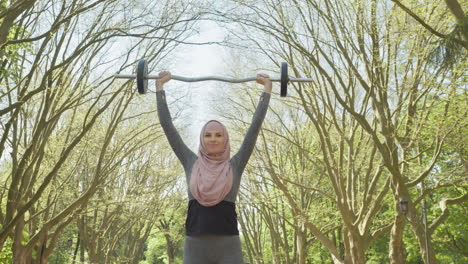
<point x="117" y="221"/>
<point x="371" y="76"/>
<point x="58" y="92"/>
<point x="459" y="34"/>
<point x="10" y="14"/>
<point x="171" y="223"/>
<point x="339" y="175"/>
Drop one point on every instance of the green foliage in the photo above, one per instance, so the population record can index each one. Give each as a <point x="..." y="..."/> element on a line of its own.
<point x="13" y="53"/>
<point x="61" y="255"/>
<point x="156" y="250"/>
<point x="450" y="51"/>
<point x="63" y="252"/>
<point x="378" y="250"/>
<point x="318" y="254"/>
<point x="411" y="247"/>
<point x="450" y="238"/>
<point x="6" y="255"/>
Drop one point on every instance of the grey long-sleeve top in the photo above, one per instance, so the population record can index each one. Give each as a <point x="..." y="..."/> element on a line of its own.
<point x="188" y="157"/>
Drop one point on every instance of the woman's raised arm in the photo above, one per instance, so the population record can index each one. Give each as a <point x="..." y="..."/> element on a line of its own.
<point x="242" y="156"/>
<point x="181" y="150"/>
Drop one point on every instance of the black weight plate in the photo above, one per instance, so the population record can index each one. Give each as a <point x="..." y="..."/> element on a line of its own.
<point x="284" y="79"/>
<point x="142" y="72"/>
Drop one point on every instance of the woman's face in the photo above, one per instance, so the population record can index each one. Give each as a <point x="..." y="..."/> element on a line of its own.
<point x="214" y="141"/>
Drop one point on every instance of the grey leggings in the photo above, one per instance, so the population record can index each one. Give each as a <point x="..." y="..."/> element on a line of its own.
<point x="212" y="249"/>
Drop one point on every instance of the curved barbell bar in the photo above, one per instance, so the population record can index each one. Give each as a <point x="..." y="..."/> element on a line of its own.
<point x="143" y="77"/>
<point x="210" y="78"/>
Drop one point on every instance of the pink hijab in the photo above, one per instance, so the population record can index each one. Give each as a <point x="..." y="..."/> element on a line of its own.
<point x="211" y="178"/>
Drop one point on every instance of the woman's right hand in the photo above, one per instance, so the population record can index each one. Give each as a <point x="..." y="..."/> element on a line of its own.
<point x="165" y="76"/>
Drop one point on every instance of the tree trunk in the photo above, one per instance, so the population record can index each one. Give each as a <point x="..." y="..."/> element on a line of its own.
<point x="20" y="254"/>
<point x="427" y="254"/>
<point x="396" y="250"/>
<point x="301" y="244"/>
<point x="170" y="249"/>
<point x="13" y="11"/>
<point x="355" y="247"/>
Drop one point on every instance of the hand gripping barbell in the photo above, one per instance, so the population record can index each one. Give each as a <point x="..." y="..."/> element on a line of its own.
<point x="142" y="78"/>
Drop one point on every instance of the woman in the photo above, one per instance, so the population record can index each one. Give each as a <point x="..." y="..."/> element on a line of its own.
<point x="213" y="180"/>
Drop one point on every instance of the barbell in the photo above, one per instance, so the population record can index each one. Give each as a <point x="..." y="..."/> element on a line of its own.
<point x="142" y="78"/>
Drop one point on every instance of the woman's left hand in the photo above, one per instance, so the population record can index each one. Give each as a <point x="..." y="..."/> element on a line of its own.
<point x="265" y="80"/>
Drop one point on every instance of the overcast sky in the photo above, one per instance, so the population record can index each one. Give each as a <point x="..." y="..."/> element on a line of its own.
<point x="196" y="61"/>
